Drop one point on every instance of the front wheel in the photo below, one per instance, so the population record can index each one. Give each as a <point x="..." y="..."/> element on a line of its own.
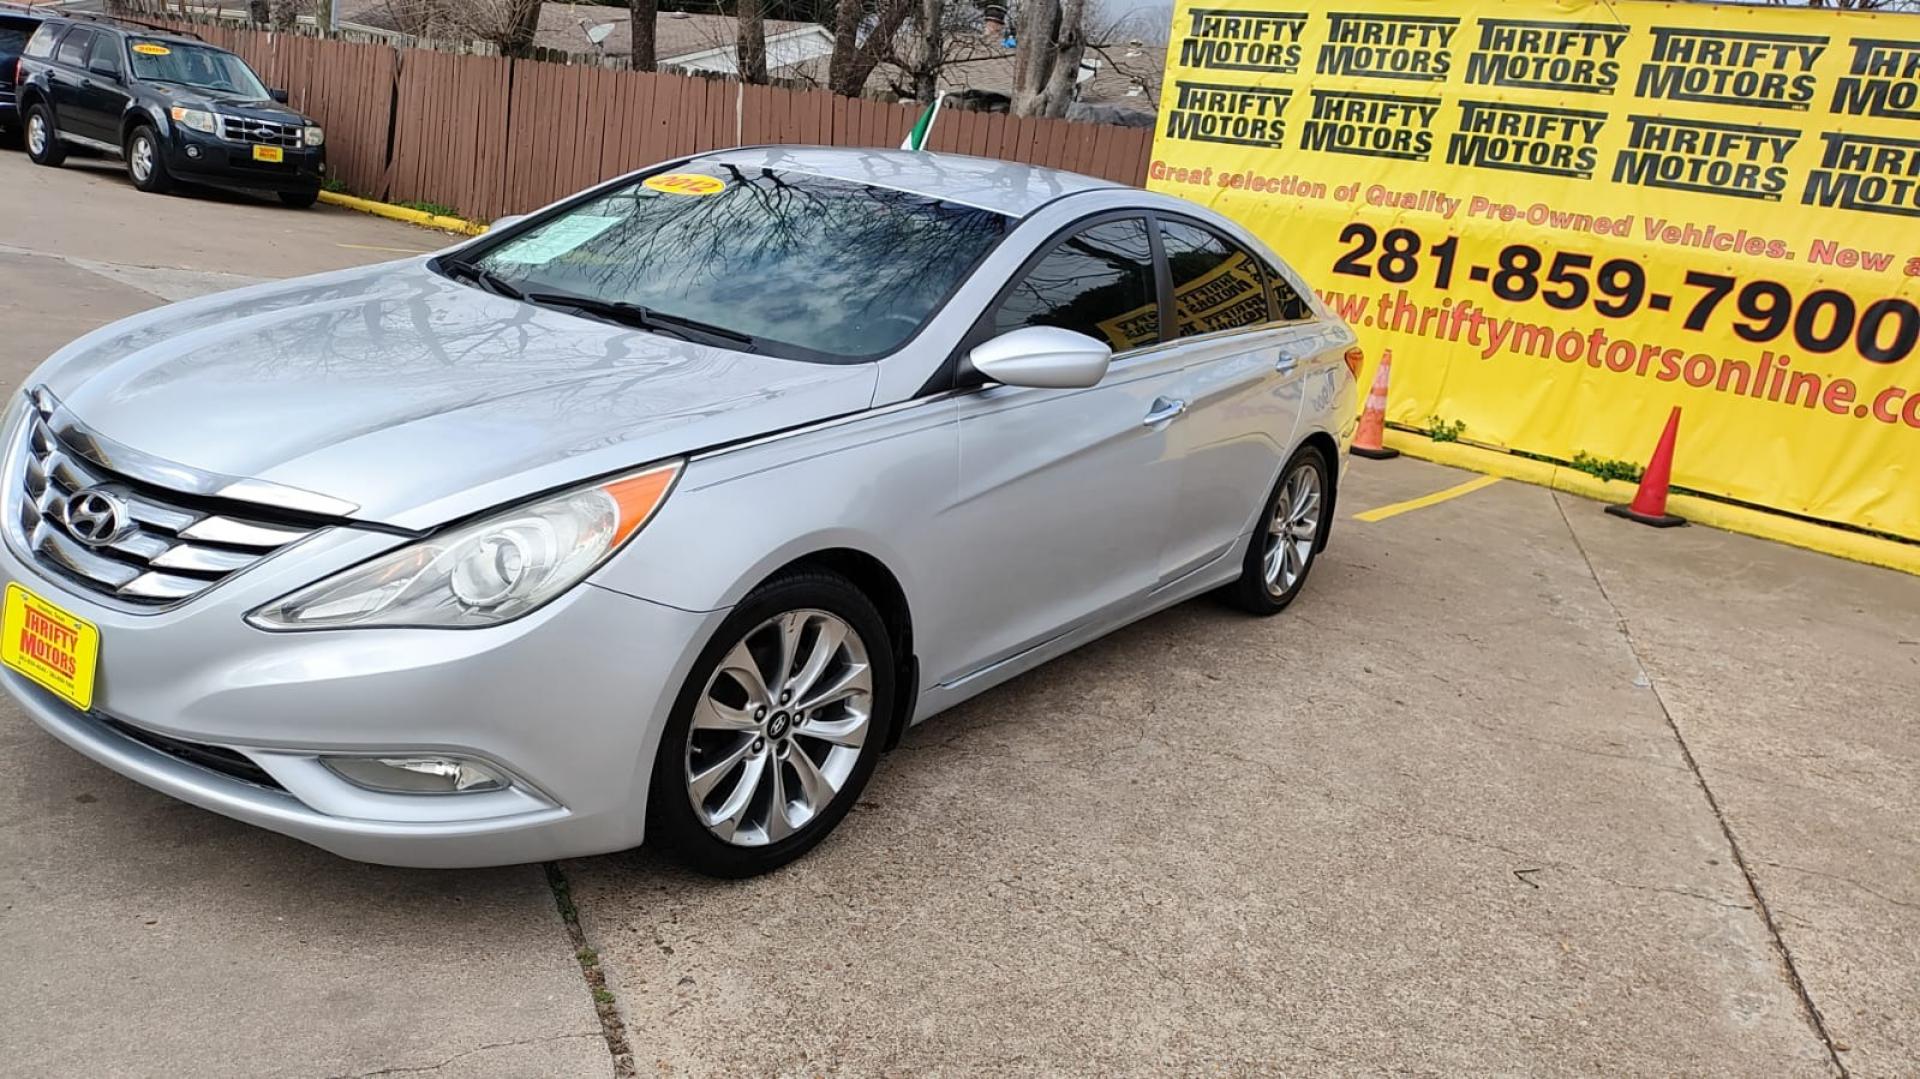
<point x="43" y="142"/>
<point x="1284" y="545"/>
<point x="145" y="167"/>
<point x="777" y="729"/>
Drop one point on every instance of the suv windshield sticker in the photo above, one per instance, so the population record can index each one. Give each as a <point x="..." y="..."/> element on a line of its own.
<point x="146" y="48"/>
<point x="685" y="183"/>
<point x="552" y="241"/>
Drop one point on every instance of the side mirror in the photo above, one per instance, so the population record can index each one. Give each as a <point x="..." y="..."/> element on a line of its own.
<point x="278" y="95"/>
<point x="1042" y="356"/>
<point x="506" y="222"/>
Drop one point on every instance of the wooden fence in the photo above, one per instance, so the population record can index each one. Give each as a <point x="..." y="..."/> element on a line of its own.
<point x="491" y="136"/>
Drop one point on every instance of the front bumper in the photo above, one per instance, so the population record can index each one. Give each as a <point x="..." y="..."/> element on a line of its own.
<point x="201" y="158"/>
<point x="569" y="701"/>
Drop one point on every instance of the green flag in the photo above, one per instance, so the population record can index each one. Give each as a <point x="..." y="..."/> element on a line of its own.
<point x="917" y="138"/>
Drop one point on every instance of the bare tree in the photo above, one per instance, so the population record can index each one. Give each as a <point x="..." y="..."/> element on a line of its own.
<point x="1050" y="40"/>
<point x="283" y="14"/>
<point x="645" y="14"/>
<point x="855" y="57"/>
<point x="750" y="48"/>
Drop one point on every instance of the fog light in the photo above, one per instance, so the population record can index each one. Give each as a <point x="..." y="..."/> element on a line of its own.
<point x="193" y="151"/>
<point x="416" y="775"/>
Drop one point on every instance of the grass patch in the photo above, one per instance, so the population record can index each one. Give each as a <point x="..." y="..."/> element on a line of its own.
<point x="1445" y="430"/>
<point x="1607" y="468"/>
<point x="437" y="209"/>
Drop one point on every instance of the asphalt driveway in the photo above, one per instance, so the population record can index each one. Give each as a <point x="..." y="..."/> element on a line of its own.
<point x="1515" y="788"/>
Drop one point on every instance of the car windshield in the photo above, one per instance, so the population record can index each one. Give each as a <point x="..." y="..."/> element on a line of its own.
<point x="800" y="265"/>
<point x="199" y="66"/>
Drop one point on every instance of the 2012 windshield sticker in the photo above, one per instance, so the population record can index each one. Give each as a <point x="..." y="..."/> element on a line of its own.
<point x="685" y="183"/>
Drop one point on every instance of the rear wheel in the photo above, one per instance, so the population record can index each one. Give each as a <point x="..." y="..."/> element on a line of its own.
<point x="299" y="200"/>
<point x="43" y="142"/>
<point x="777" y="729"/>
<point x="1283" y="548"/>
<point x="144" y="165"/>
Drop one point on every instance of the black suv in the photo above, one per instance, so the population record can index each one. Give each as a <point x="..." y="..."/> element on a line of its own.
<point x="174" y="107"/>
<point x="16" y="26"/>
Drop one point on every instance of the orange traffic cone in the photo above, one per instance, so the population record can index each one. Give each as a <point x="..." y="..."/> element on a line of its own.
<point x="1373" y="421"/>
<point x="1650" y="501"/>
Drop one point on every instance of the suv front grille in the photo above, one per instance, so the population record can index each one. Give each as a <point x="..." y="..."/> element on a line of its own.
<point x="260" y="132"/>
<point x="166" y="548"/>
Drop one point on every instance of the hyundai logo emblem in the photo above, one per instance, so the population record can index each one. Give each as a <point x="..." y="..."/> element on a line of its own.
<point x="95" y="517"/>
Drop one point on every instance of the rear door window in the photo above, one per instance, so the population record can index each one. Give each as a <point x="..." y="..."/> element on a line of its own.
<point x="1098" y="281"/>
<point x="1217" y="285"/>
<point x="73" y="47"/>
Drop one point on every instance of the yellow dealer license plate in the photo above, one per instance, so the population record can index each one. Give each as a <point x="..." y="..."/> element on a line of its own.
<point x="49" y="646"/>
<point x="269" y="153"/>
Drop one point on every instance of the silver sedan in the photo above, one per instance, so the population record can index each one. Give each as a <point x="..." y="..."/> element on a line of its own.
<point x="662" y="512"/>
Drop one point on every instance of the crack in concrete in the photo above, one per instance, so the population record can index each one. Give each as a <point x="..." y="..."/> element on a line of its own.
<point x="612" y="1028"/>
<point x="1884" y="897"/>
<point x="417" y="1069"/>
<point x="1794" y="980"/>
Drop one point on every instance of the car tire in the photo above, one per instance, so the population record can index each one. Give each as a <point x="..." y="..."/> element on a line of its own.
<point x="1286" y="541"/>
<point x="726" y="788"/>
<point x="42" y="138"/>
<point x="146" y="165"/>
<point x="299" y="200"/>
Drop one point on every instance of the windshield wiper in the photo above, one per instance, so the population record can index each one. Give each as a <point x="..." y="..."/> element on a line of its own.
<point x="645" y="318"/>
<point x="486" y="279"/>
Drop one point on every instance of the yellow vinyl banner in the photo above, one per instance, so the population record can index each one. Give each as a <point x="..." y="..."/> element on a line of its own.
<point x="1564" y="219"/>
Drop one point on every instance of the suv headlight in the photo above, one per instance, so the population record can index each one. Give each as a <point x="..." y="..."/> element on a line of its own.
<point x="316" y="136"/>
<point x="485" y="572"/>
<point x="197" y="119"/>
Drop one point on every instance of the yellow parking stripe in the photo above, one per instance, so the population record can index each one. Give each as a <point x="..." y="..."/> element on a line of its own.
<point x="1424" y="501"/>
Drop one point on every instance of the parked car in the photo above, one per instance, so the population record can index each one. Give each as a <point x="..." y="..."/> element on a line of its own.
<point x="173" y="108"/>
<point x="662" y="512"/>
<point x="16" y="26"/>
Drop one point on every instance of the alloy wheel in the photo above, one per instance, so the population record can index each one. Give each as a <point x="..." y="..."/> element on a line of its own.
<point x="142" y="158"/>
<point x="1291" y="529"/>
<point x="36" y="135"/>
<point x="779" y="727"/>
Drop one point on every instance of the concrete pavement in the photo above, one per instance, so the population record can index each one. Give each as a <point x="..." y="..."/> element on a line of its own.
<point x="1514" y="788"/>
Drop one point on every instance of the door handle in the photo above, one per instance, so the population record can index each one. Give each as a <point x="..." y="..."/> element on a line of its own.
<point x="1286" y="363"/>
<point x="1163" y="410"/>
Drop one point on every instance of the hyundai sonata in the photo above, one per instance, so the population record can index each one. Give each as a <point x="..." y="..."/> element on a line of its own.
<point x="661" y="512"/>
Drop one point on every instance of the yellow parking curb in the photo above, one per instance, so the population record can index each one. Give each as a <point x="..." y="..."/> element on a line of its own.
<point x="1839" y="542"/>
<point x="401" y="213"/>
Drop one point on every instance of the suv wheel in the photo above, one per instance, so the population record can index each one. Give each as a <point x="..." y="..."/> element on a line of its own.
<point x="144" y="165"/>
<point x="43" y="143"/>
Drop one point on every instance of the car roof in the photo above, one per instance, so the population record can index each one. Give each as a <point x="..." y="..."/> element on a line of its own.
<point x="1002" y="186"/>
<point x="108" y="22"/>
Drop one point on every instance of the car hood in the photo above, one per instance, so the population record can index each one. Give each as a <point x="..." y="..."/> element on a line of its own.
<point x="418" y="399"/>
<point x="242" y="105"/>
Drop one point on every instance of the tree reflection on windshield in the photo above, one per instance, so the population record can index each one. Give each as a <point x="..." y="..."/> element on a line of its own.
<point x="831" y="268"/>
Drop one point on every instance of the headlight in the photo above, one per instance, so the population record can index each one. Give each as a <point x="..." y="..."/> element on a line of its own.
<point x="197" y="119"/>
<point x="486" y="572"/>
<point x="316" y="136"/>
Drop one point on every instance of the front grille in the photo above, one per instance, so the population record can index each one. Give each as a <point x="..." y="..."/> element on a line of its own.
<point x="168" y="547"/>
<point x="219" y="759"/>
<point x="260" y="132"/>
